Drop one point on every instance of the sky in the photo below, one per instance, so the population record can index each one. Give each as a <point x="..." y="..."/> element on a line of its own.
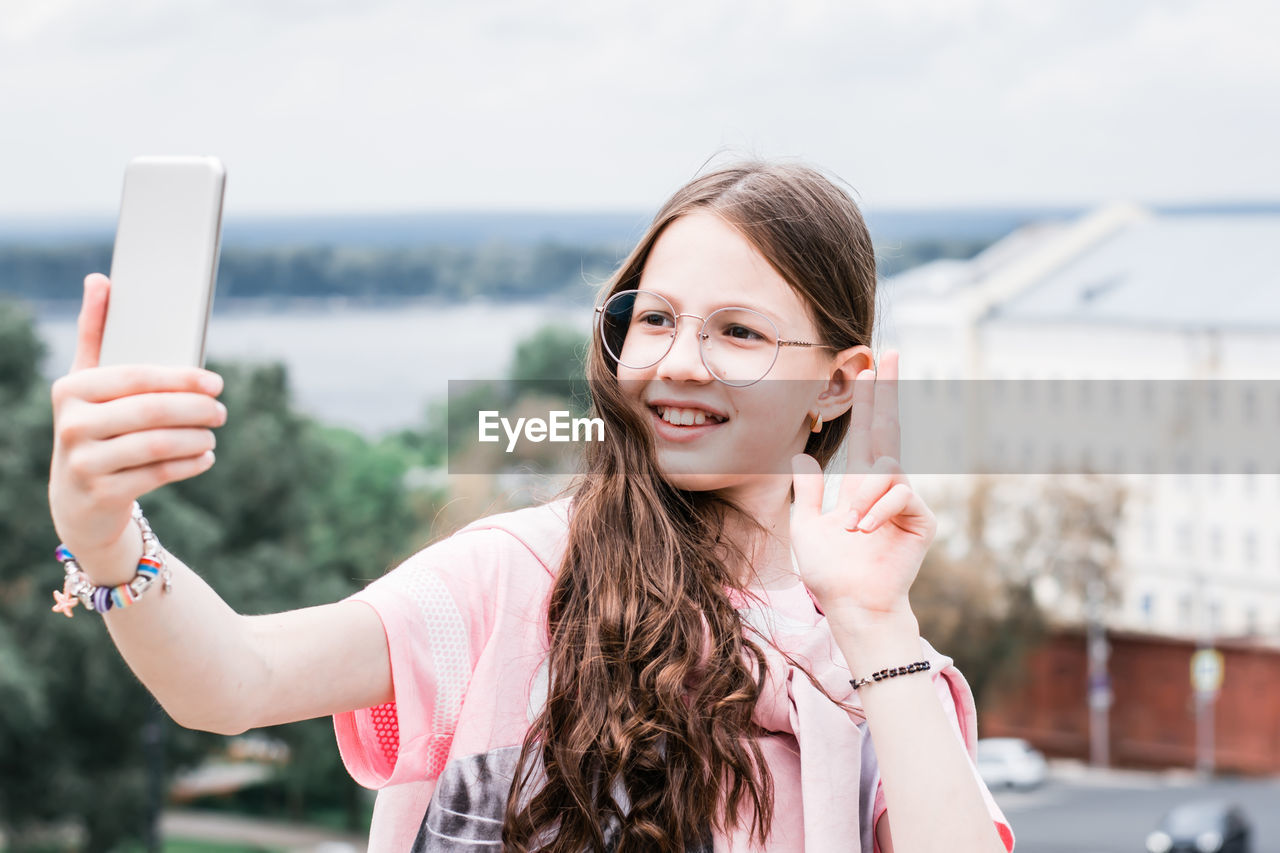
<point x="405" y="105"/>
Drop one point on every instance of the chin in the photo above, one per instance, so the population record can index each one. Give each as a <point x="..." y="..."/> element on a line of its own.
<point x="695" y="473"/>
<point x="693" y="482"/>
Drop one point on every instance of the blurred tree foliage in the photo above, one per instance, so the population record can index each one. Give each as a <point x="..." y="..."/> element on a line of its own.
<point x="899" y="257"/>
<point x="494" y="270"/>
<point x="1000" y="539"/>
<point x="291" y="515"/>
<point x="550" y="363"/>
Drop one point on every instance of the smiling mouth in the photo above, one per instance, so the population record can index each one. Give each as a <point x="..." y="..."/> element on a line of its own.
<point x="687" y="417"/>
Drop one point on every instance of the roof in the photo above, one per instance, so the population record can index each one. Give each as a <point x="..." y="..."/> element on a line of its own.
<point x="1182" y="271"/>
<point x="948" y="276"/>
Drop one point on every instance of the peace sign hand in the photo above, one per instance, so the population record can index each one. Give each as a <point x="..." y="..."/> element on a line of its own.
<point x="862" y="557"/>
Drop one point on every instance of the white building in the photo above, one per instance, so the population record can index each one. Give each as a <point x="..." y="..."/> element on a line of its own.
<point x="1123" y="294"/>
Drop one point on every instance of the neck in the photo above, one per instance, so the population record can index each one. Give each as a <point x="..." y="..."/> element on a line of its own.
<point x="767" y="501"/>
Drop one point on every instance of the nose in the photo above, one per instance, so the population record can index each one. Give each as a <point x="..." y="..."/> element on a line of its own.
<point x="684" y="360"/>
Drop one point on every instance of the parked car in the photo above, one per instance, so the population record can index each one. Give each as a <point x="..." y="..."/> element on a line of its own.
<point x="1202" y="826"/>
<point x="1009" y="762"/>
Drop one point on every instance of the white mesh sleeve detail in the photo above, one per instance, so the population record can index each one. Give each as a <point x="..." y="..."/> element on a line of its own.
<point x="450" y="643"/>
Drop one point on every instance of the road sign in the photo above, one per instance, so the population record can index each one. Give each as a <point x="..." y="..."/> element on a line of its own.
<point x="1206" y="670"/>
<point x="1100" y="697"/>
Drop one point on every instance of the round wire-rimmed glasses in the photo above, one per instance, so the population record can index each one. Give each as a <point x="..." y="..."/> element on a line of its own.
<point x="738" y="345"/>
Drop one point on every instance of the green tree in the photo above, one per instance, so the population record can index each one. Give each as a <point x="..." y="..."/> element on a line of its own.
<point x="291" y="515"/>
<point x="71" y="720"/>
<point x="552" y="362"/>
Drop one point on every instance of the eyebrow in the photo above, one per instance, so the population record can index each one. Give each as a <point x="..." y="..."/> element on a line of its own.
<point x="768" y="312"/>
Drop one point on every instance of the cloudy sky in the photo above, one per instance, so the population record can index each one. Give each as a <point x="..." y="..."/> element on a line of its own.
<point x="319" y="105"/>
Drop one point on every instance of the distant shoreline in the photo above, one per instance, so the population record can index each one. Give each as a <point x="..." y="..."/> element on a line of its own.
<point x="300" y="305"/>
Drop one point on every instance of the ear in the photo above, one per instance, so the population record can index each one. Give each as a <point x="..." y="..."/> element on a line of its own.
<point x="837" y="397"/>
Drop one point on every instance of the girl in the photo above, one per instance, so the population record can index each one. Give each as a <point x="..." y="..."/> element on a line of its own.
<point x="688" y="653"/>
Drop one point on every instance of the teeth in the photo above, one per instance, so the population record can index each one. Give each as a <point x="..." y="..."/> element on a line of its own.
<point x="686" y="417"/>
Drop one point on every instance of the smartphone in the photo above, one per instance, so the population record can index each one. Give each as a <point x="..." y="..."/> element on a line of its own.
<point x="165" y="262"/>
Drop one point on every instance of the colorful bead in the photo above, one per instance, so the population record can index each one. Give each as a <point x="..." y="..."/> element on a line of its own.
<point x="77" y="586"/>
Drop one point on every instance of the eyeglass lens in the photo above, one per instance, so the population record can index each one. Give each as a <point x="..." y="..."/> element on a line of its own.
<point x="738" y="345"/>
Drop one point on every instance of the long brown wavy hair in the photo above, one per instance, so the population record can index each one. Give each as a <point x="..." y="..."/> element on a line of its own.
<point x="646" y="741"/>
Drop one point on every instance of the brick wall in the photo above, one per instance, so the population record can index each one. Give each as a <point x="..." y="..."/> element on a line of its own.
<point x="1152" y="720"/>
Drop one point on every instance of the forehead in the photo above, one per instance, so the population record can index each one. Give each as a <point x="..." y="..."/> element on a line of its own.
<point x="701" y="263"/>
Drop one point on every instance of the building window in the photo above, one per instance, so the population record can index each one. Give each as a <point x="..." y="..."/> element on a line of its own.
<point x="1185" y="605"/>
<point x="1215" y="542"/>
<point x="1250" y="548"/>
<point x="1147" y="604"/>
<point x="1184" y="537"/>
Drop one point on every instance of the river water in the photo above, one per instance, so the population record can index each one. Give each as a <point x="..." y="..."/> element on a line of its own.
<point x="370" y="368"/>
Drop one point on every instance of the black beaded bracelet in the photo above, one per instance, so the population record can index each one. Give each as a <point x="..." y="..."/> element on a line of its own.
<point x="918" y="666"/>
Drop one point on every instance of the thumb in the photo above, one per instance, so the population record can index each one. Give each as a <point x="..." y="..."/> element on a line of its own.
<point x="93" y="316"/>
<point x="809" y="484"/>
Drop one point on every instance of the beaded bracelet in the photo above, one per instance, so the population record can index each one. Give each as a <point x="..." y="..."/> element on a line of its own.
<point x="78" y="589"/>
<point x="918" y="666"/>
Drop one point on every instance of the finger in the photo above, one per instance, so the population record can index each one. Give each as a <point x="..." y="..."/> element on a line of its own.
<point x="886" y="433"/>
<point x="899" y="503"/>
<point x="136" y="482"/>
<point x="100" y="384"/>
<point x="142" y="448"/>
<point x="93" y="316"/>
<point x="860" y="423"/>
<point x="808" y="484"/>
<point x="139" y="412"/>
<point x="884" y="475"/>
<point x="860" y="444"/>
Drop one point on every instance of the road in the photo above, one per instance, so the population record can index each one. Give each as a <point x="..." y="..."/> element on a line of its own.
<point x="1081" y="810"/>
<point x="267" y="834"/>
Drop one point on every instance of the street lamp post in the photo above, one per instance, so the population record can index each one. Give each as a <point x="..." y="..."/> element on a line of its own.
<point x="1099" y="679"/>
<point x="1206" y="679"/>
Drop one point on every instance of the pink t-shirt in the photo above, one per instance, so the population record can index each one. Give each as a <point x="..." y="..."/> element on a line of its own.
<point x="465" y="623"/>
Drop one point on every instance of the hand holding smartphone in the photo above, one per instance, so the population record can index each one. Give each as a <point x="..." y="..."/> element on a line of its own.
<point x="137" y="411"/>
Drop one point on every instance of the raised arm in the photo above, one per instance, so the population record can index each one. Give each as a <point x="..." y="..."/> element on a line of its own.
<point x="859" y="560"/>
<point x="123" y="431"/>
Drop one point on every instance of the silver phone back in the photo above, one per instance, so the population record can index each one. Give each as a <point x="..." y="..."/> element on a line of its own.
<point x="165" y="262"/>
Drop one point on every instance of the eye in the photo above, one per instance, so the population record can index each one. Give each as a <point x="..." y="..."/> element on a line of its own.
<point x="655" y="319"/>
<point x="742" y="333"/>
